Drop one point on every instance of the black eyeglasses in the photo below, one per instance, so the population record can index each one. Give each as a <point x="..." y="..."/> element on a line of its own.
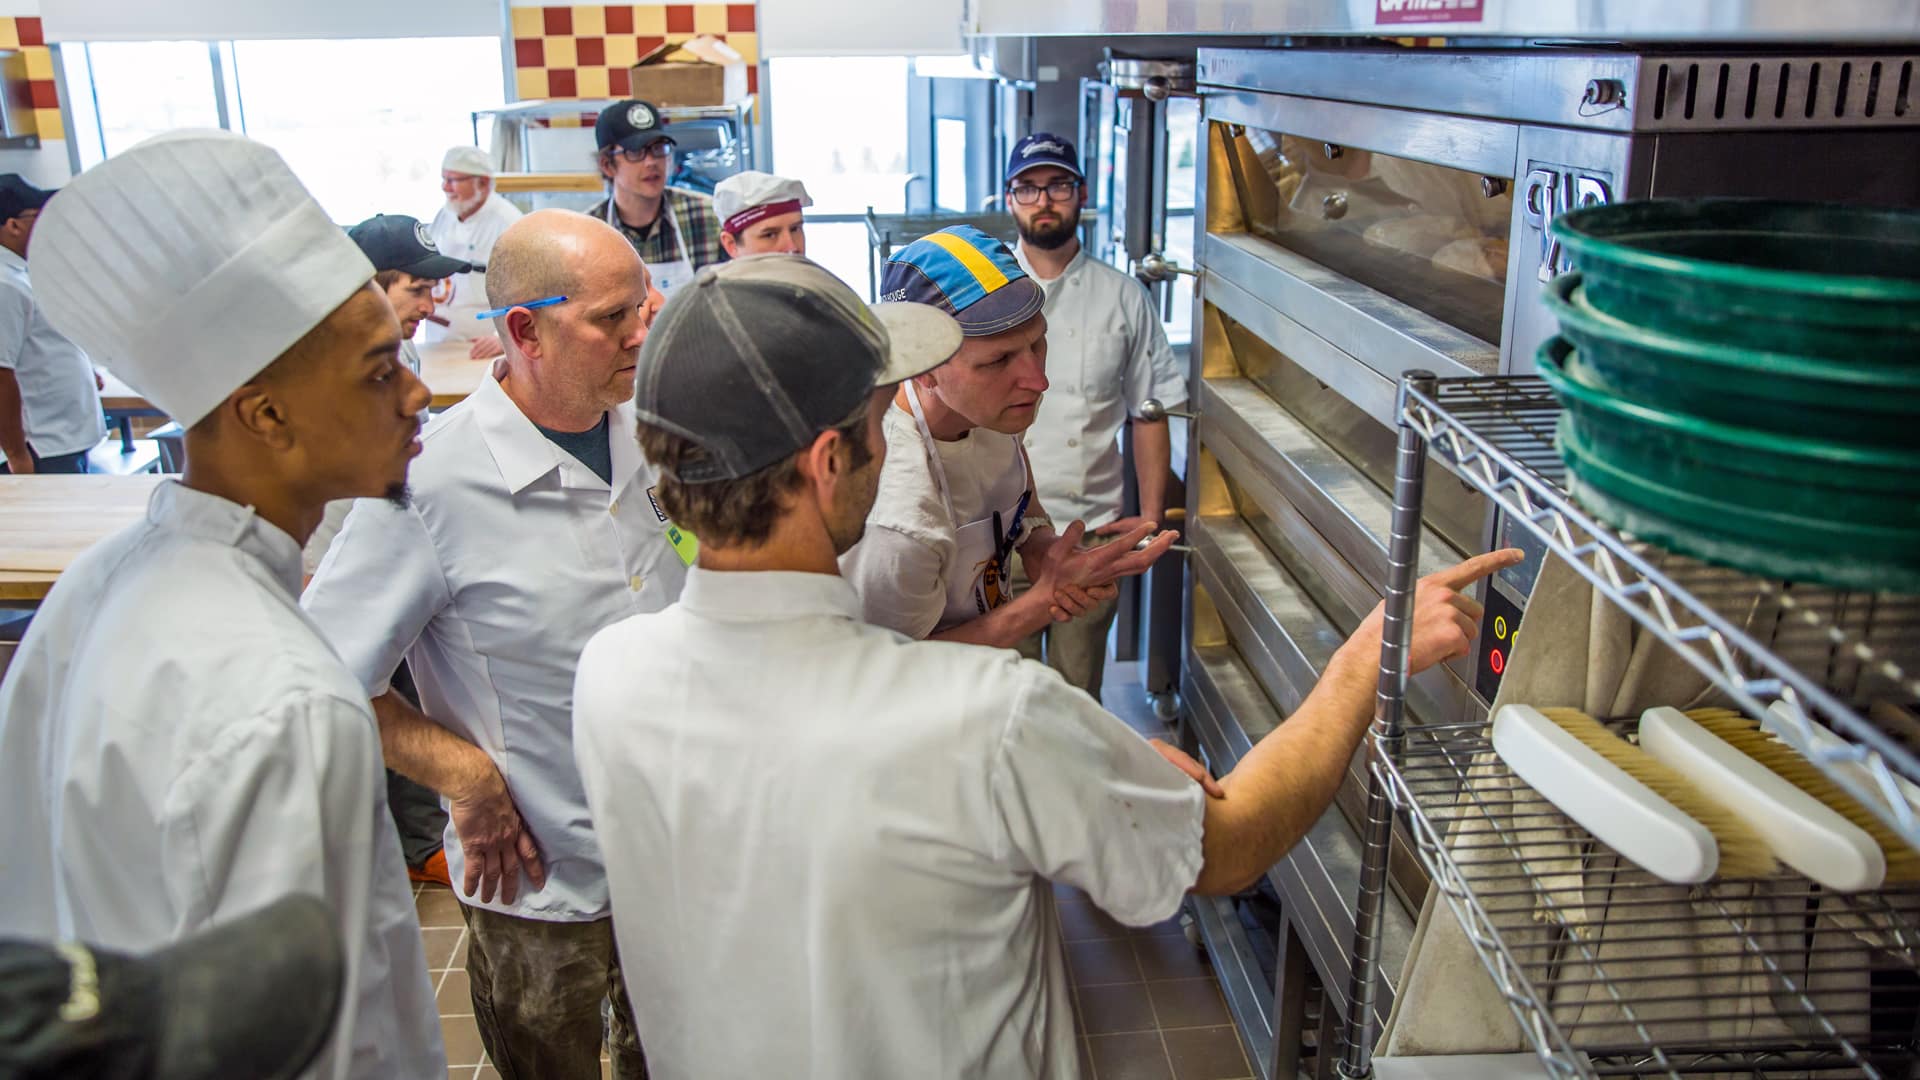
<point x="660" y="149"/>
<point x="1058" y="191"/>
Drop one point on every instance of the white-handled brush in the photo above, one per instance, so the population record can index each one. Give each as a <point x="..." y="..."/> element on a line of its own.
<point x="1783" y="714"/>
<point x="1641" y="809"/>
<point x="1803" y="832"/>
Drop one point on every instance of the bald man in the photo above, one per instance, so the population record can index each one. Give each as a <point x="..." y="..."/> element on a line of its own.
<point x="532" y="525"/>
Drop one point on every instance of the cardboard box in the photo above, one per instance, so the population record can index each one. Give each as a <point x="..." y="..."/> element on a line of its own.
<point x="704" y="71"/>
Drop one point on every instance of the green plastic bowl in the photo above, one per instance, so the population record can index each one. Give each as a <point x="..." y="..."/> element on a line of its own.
<point x="1779" y="506"/>
<point x="1808" y="279"/>
<point x="1869" y="403"/>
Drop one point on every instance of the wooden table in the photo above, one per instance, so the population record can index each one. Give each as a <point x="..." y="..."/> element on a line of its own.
<point x="47" y="521"/>
<point x="450" y="373"/>
<point x="444" y="367"/>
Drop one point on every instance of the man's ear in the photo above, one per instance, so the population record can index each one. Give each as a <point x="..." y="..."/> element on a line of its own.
<point x="257" y="409"/>
<point x="727" y="242"/>
<point x="523" y="330"/>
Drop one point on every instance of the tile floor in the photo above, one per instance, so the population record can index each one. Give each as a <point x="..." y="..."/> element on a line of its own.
<point x="1147" y="1003"/>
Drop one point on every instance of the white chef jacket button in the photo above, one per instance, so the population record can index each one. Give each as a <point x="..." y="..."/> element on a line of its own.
<point x="1073" y="442"/>
<point x="1069" y="333"/>
<point x="634" y="583"/>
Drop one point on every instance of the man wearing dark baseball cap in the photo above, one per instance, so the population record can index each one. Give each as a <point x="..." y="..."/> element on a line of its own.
<point x="49" y="399"/>
<point x="676" y="232"/>
<point x="407" y="265"/>
<point x="958" y="498"/>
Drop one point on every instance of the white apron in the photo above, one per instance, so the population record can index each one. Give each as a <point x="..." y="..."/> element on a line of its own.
<point x="670" y="275"/>
<point x="985" y="546"/>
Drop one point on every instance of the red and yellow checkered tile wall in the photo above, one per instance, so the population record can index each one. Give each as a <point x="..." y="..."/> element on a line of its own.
<point x="29" y="71"/>
<point x="584" y="51"/>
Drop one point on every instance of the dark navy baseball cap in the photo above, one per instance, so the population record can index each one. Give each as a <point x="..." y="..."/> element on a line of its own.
<point x="398" y="242"/>
<point x="629" y="125"/>
<point x="1043" y="148"/>
<point x="17" y="196"/>
<point x="967" y="274"/>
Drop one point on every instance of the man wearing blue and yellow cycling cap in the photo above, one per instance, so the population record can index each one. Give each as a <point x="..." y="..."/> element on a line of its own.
<point x="956" y="496"/>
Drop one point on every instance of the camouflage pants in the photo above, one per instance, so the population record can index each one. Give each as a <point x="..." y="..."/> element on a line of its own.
<point x="537" y="993"/>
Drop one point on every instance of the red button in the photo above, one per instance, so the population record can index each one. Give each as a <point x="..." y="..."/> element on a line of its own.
<point x="1495" y="661"/>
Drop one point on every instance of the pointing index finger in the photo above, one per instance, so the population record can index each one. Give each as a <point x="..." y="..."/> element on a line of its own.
<point x="1464" y="574"/>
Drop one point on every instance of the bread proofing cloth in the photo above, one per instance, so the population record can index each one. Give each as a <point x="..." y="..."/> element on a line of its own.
<point x="1583" y="652"/>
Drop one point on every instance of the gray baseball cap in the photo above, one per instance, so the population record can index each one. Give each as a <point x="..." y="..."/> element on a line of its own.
<point x="756" y="357"/>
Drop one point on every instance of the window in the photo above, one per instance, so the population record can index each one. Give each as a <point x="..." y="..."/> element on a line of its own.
<point x="363" y="123"/>
<point x="841" y="122"/>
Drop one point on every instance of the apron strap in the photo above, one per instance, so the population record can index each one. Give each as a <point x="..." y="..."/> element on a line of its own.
<point x="932" y="451"/>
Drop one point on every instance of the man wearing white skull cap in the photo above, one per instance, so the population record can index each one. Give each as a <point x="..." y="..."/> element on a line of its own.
<point x="466" y="228"/>
<point x="760" y="214"/>
<point x="178" y="744"/>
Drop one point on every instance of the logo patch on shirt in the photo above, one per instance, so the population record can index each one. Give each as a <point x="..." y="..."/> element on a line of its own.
<point x="655" y="503"/>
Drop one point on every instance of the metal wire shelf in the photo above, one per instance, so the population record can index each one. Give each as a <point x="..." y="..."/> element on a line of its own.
<point x="1609" y="996"/>
<point x="1831" y="653"/>
<point x="1594" y="955"/>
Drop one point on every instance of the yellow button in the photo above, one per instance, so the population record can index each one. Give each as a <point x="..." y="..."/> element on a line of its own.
<point x="634" y="583"/>
<point x="1500" y="627"/>
<point x="613" y="507"/>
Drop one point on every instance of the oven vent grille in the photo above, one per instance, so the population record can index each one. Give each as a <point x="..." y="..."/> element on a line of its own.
<point x="1828" y="91"/>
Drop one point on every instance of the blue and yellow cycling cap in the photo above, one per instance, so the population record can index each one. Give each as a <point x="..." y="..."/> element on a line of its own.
<point x="967" y="274"/>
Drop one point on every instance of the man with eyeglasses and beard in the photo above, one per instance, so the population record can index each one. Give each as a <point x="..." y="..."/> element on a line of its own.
<point x="676" y="232"/>
<point x="1107" y="354"/>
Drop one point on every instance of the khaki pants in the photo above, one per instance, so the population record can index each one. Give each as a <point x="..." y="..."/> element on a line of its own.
<point x="537" y="990"/>
<point x="1077" y="649"/>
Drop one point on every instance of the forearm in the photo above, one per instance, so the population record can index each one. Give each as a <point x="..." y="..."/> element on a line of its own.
<point x="1152" y="464"/>
<point x="1283" y="785"/>
<point x="13" y="422"/>
<point x="1005" y="626"/>
<point x="427" y="753"/>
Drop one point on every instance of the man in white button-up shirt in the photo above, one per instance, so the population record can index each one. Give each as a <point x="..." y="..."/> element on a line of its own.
<point x="531" y="527"/>
<point x="178" y="744"/>
<point x="1106" y="354"/>
<point x="49" y="402"/>
<point x="863" y="824"/>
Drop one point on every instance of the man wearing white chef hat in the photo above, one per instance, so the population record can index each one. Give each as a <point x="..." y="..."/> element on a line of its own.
<point x="466" y="228"/>
<point x="178" y="744"/>
<point x="760" y="214"/>
<point x="867" y="823"/>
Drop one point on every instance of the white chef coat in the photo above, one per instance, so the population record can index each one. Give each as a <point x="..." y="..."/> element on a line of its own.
<point x="902" y="566"/>
<point x="1106" y="354"/>
<point x="57" y="393"/>
<point x="178" y="746"/>
<point x="461" y="297"/>
<point x="847" y="836"/>
<point x="512" y="556"/>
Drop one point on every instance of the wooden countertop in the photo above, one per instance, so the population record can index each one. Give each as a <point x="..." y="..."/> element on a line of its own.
<point x="444" y="367"/>
<point x="47" y="521"/>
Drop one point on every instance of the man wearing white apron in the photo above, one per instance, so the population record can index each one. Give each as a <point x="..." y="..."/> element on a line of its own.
<point x="676" y="232"/>
<point x="465" y="229"/>
<point x="956" y="496"/>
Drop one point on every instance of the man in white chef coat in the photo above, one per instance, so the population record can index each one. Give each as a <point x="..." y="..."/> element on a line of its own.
<point x="178" y="744"/>
<point x="866" y="824"/>
<point x="1106" y="354"/>
<point x="532" y="526"/>
<point x="49" y="403"/>
<point x="466" y="228"/>
<point x="761" y="214"/>
<point x="957" y="498"/>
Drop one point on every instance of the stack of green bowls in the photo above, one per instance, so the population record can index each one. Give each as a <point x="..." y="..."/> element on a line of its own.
<point x="1742" y="382"/>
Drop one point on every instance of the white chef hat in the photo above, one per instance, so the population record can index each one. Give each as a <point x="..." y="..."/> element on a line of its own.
<point x="467" y="159"/>
<point x="188" y="263"/>
<point x="746" y="197"/>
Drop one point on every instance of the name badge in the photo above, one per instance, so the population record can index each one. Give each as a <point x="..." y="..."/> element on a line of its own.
<point x="684" y="544"/>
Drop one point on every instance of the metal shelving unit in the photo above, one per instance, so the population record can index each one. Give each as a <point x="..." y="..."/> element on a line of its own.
<point x="1610" y="996"/>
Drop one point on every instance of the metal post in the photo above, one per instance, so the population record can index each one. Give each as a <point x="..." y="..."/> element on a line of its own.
<point x="1389" y="717"/>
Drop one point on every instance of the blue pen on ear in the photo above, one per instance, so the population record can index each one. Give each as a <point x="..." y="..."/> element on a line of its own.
<point x="529" y="305"/>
